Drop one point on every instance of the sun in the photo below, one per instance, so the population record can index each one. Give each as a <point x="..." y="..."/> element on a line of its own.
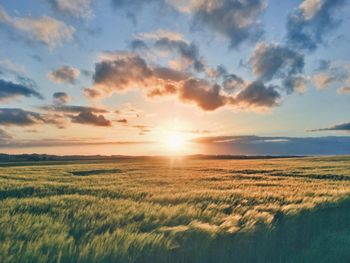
<point x="175" y="141"/>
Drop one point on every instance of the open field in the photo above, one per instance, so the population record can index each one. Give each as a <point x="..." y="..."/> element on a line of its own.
<point x="161" y="210"/>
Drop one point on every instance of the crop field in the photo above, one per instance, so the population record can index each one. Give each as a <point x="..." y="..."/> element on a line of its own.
<point x="181" y="210"/>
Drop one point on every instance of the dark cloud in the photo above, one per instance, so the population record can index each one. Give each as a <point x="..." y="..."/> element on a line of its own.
<point x="172" y="42"/>
<point x="311" y="21"/>
<point x="47" y="142"/>
<point x="295" y="83"/>
<point x="80" y="114"/>
<point x="61" y="97"/>
<point x="208" y="97"/>
<point x="127" y="71"/>
<point x="338" y="127"/>
<point x="275" y="61"/>
<point x="72" y="109"/>
<point x="138" y="44"/>
<point x="256" y="145"/>
<point x="121" y="73"/>
<point x="123" y="121"/>
<point x="232" y="83"/>
<point x="187" y="51"/>
<point x="168" y="74"/>
<point x="88" y="117"/>
<point x="131" y="71"/>
<point x="20" y="117"/>
<point x="256" y="95"/>
<point x="217" y="72"/>
<point x="235" y="19"/>
<point x="64" y="74"/>
<point x="9" y="90"/>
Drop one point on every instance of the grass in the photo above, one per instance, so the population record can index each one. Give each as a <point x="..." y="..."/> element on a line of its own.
<point x="160" y="210"/>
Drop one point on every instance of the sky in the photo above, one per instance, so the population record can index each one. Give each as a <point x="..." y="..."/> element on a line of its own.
<point x="159" y="77"/>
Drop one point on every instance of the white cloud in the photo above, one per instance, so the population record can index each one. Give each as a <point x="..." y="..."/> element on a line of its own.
<point x="45" y="29"/>
<point x="76" y="8"/>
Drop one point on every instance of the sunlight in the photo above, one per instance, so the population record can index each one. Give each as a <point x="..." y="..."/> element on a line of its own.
<point x="175" y="141"/>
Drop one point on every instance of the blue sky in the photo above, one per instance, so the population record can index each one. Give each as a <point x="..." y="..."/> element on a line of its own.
<point x="129" y="77"/>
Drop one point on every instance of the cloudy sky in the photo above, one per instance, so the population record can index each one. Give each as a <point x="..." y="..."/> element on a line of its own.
<point x="172" y="76"/>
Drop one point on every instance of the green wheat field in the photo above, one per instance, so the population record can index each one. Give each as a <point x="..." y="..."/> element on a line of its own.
<point x="176" y="210"/>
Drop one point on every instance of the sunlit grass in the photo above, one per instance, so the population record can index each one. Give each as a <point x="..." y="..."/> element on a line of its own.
<point x="189" y="211"/>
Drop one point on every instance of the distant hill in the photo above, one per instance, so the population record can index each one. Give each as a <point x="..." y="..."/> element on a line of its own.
<point x="45" y="157"/>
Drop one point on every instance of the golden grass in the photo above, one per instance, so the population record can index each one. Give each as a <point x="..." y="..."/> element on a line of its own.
<point x="158" y="210"/>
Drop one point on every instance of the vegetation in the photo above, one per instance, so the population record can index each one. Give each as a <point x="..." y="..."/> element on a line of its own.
<point x="184" y="210"/>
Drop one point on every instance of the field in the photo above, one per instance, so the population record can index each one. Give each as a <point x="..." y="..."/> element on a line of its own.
<point x="181" y="210"/>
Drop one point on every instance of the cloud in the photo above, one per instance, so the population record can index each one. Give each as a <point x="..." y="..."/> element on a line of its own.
<point x="10" y="90"/>
<point x="123" y="121"/>
<point x="143" y="129"/>
<point x="92" y="93"/>
<point x="4" y="136"/>
<point x="64" y="74"/>
<point x="167" y="89"/>
<point x="160" y="34"/>
<point x="138" y="44"/>
<point x="311" y="21"/>
<point x="257" y="95"/>
<point x="324" y="64"/>
<point x="329" y="74"/>
<point x="232" y="83"/>
<point x="48" y="142"/>
<point x="20" y="117"/>
<point x="188" y="52"/>
<point x="72" y="109"/>
<point x="121" y="71"/>
<point x="80" y="114"/>
<point x="202" y="93"/>
<point x="295" y="83"/>
<point x="236" y="20"/>
<point x="130" y="112"/>
<point x="76" y="8"/>
<point x="46" y="30"/>
<point x="344" y="90"/>
<point x="338" y="127"/>
<point x="270" y="61"/>
<point x="11" y="67"/>
<point x="61" y="98"/>
<point x="256" y="145"/>
<point x="168" y="43"/>
<point x="88" y="117"/>
<point x="323" y="80"/>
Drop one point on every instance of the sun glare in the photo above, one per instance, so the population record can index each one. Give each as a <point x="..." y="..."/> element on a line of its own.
<point x="175" y="141"/>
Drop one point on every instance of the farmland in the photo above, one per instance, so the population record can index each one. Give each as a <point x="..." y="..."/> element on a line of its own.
<point x="176" y="210"/>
